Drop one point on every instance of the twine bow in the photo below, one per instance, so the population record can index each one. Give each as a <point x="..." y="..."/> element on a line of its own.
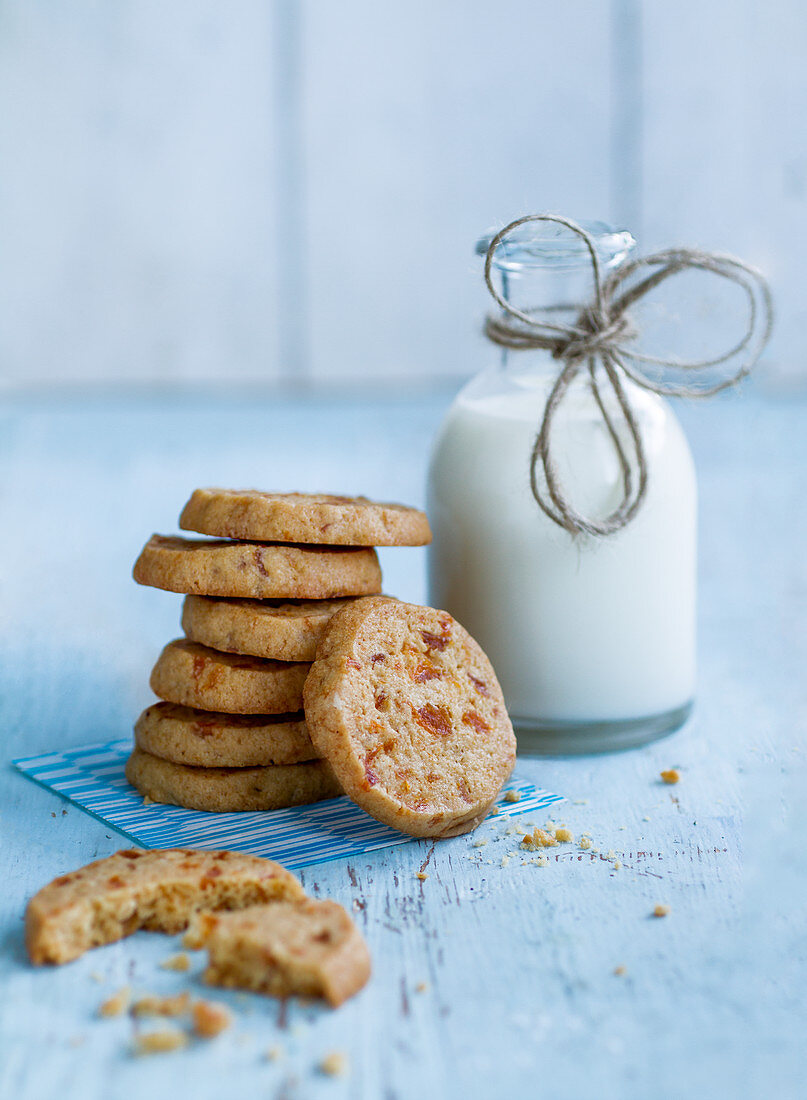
<point x="599" y="342"/>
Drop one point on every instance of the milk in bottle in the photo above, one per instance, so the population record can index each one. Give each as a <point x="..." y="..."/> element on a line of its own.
<point x="592" y="638"/>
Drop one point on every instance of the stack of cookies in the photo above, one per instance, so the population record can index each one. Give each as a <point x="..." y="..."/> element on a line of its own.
<point x="230" y="733"/>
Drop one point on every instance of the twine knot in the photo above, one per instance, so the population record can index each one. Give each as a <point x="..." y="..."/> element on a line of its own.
<point x="596" y="332"/>
<point x="600" y="342"/>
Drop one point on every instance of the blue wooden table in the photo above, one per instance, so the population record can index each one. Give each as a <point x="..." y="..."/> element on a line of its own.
<point x="492" y="976"/>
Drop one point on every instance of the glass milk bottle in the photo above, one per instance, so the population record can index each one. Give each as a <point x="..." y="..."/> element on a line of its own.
<point x="592" y="638"/>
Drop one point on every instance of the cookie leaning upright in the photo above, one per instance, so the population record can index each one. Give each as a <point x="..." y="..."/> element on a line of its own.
<point x="407" y="709"/>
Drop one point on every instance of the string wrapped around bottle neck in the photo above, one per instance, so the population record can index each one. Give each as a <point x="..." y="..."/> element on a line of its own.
<point x="599" y="342"/>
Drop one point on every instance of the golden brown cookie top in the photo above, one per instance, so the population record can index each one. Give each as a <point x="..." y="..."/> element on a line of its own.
<point x="276" y="609"/>
<point x="194" y="675"/>
<point x="203" y="723"/>
<point x="285" y="631"/>
<point x="303" y="517"/>
<point x="230" y="789"/>
<point x="257" y="570"/>
<point x="188" y="735"/>
<point x="408" y="710"/>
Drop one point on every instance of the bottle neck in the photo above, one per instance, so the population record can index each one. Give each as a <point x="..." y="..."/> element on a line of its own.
<point x="558" y="293"/>
<point x="543" y="265"/>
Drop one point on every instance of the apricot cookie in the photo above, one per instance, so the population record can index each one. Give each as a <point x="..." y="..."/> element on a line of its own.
<point x="230" y="790"/>
<point x="303" y="517"/>
<point x="282" y="631"/>
<point x="408" y="710"/>
<point x="211" y="739"/>
<point x="158" y="890"/>
<point x="195" y="676"/>
<point x="263" y="571"/>
<point x="308" y="949"/>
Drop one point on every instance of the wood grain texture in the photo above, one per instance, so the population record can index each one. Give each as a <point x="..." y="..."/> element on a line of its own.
<point x="137" y="198"/>
<point x="423" y="126"/>
<point x="724" y="162"/>
<point x="519" y="961"/>
<point x="291" y="191"/>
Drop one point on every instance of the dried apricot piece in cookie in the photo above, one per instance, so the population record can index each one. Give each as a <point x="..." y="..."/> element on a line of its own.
<point x="320" y="518"/>
<point x="158" y="890"/>
<point x="194" y="675"/>
<point x="305" y="948"/>
<point x="407" y="709"/>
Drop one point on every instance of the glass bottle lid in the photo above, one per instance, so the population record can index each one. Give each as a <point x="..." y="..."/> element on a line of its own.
<point x="548" y="244"/>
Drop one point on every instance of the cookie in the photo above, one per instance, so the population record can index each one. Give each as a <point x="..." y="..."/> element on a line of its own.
<point x="230" y="790"/>
<point x="157" y="890"/>
<point x="408" y="710"/>
<point x="308" y="948"/>
<point x="262" y="571"/>
<point x="208" y="739"/>
<point x="196" y="676"/>
<point x="263" y="628"/>
<point x="303" y="517"/>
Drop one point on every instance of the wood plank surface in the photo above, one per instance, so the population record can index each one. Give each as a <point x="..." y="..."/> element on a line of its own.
<point x="422" y="126"/>
<point x="138" y="192"/>
<point x="519" y="962"/>
<point x="725" y="168"/>
<point x="292" y="190"/>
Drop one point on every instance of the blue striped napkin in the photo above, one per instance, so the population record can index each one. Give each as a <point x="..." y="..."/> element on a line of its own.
<point x="92" y="778"/>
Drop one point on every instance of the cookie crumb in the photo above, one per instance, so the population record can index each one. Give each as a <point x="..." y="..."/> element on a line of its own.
<point x="580" y="802"/>
<point x="422" y="876"/>
<point x="585" y="842"/>
<point x="421" y="987"/>
<point x="176" y="962"/>
<point x="512" y="796"/>
<point x="564" y="835"/>
<point x="150" y="1005"/>
<point x="274" y="1053"/>
<point x="334" y="1064"/>
<point x="117" y="1003"/>
<point x="97" y="976"/>
<point x="542" y="839"/>
<point x="617" y="864"/>
<point x="148" y="801"/>
<point x="645" y="818"/>
<point x="670" y="775"/>
<point x="620" y="971"/>
<point x="160" y="1042"/>
<point x="505" y="859"/>
<point x="661" y="911"/>
<point x="479" y="843"/>
<point x="541" y="861"/>
<point x="210" y="1019"/>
